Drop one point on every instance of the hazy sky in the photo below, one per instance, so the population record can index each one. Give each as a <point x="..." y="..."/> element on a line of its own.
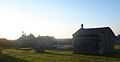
<point x="59" y="18"/>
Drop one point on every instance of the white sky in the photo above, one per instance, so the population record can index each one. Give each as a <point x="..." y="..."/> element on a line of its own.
<point x="58" y="18"/>
<point x="14" y="21"/>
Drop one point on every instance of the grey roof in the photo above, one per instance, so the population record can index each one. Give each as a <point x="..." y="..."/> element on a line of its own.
<point x="101" y="29"/>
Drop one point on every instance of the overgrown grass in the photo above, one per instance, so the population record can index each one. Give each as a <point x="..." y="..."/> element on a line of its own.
<point x="12" y="55"/>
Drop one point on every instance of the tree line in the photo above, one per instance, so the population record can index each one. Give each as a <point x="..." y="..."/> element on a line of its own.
<point x="39" y="43"/>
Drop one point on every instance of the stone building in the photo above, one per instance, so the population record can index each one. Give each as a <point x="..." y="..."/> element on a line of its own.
<point x="63" y="44"/>
<point x="93" y="40"/>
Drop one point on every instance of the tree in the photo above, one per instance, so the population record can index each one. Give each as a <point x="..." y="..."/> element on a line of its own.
<point x="42" y="43"/>
<point x="39" y="44"/>
<point x="25" y="41"/>
<point x="4" y="43"/>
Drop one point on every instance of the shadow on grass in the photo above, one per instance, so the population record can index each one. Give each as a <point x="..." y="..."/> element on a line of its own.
<point x="58" y="53"/>
<point x="112" y="55"/>
<point x="115" y="54"/>
<point x="7" y="58"/>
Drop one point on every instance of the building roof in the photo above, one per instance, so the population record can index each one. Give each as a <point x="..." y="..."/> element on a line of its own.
<point x="101" y="29"/>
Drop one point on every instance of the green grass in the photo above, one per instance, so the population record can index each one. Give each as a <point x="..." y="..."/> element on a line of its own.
<point x="12" y="55"/>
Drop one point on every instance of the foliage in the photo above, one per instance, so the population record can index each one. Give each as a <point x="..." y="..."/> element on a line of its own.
<point x="25" y="41"/>
<point x="4" y="43"/>
<point x="39" y="43"/>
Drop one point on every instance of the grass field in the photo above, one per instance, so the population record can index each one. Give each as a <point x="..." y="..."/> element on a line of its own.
<point x="12" y="55"/>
